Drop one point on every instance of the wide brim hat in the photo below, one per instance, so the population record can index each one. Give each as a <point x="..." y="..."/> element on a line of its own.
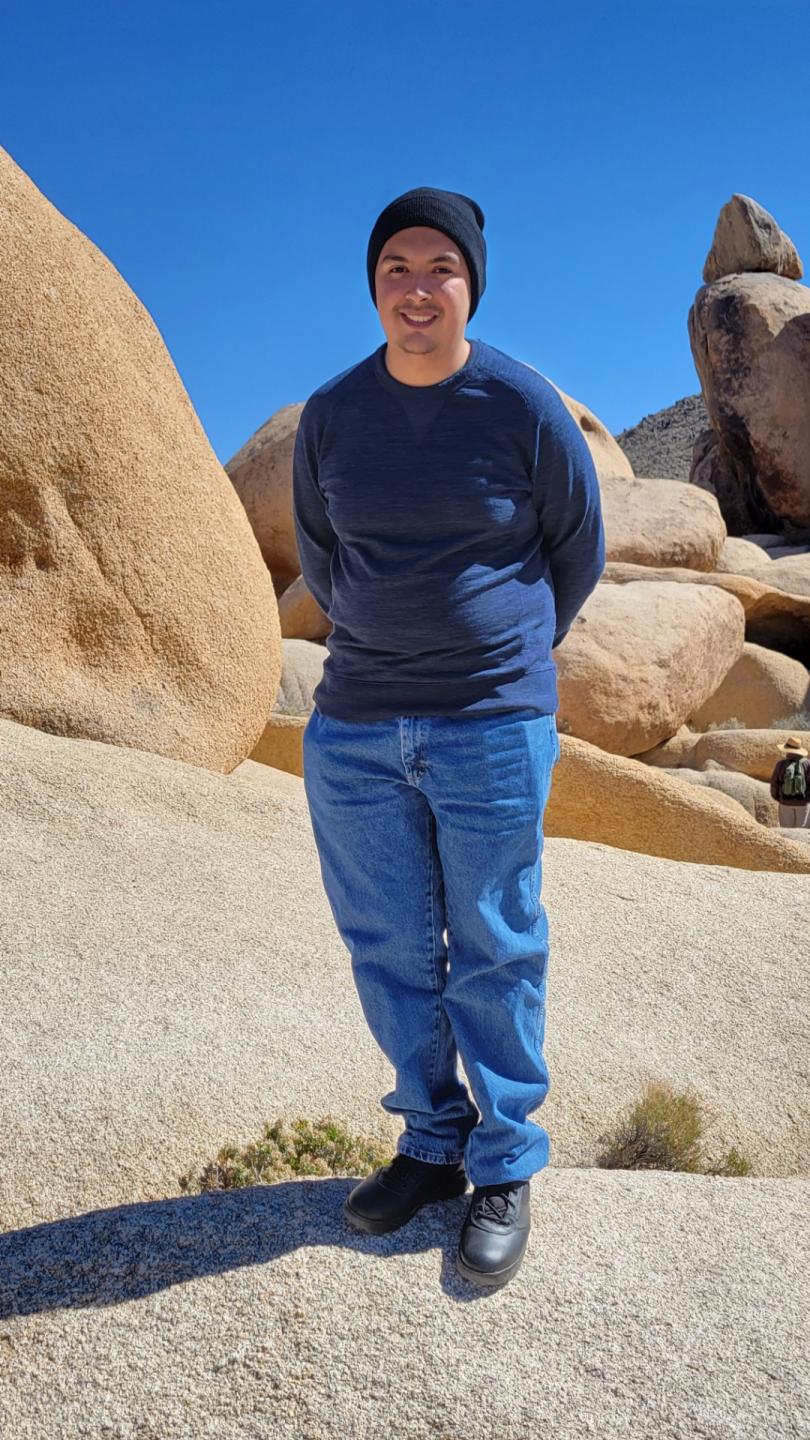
<point x="793" y="744"/>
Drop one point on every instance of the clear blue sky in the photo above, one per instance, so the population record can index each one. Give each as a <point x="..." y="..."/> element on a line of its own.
<point x="231" y="159"/>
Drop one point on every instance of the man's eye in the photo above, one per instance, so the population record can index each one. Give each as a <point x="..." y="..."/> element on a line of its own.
<point x="436" y="267"/>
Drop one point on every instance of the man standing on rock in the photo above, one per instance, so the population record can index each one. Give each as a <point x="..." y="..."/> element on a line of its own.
<point x="449" y="523"/>
<point x="790" y="784"/>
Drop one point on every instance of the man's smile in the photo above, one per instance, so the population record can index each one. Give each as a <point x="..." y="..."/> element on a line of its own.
<point x="416" y="320"/>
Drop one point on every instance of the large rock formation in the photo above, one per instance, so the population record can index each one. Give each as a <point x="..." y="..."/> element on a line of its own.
<point x="739" y="790"/>
<point x="640" y="658"/>
<point x="302" y="667"/>
<point x="615" y="800"/>
<point x="300" y="615"/>
<point x="773" y="618"/>
<point x="746" y="752"/>
<point x="761" y="689"/>
<point x="661" y="522"/>
<point x="136" y="606"/>
<point x="608" y="457"/>
<point x="715" y="471"/>
<point x="172" y="976"/>
<point x="747" y="238"/>
<point x="789" y="572"/>
<point x="650" y="1305"/>
<point x="749" y="329"/>
<point x="261" y="473"/>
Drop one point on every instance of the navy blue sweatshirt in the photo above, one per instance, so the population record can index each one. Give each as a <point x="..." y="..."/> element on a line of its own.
<point x="451" y="533"/>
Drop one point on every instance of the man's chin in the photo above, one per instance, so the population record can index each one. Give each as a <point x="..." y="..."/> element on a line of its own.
<point x="422" y="344"/>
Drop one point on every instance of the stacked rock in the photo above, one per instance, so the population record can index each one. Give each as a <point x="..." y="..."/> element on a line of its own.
<point x="749" y="329"/>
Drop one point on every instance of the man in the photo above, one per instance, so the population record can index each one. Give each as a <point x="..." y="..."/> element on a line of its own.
<point x="449" y="523"/>
<point x="790" y="784"/>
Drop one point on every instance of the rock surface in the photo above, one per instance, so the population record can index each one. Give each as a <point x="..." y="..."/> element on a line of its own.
<point x="740" y="790"/>
<point x="640" y="658"/>
<point x="661" y="522"/>
<point x="300" y="615"/>
<point x="717" y="473"/>
<point x="772" y="617"/>
<point x="612" y="800"/>
<point x="301" y="670"/>
<point x="136" y="607"/>
<point x="608" y="457"/>
<point x="747" y="752"/>
<point x="654" y="1305"/>
<point x="631" y="806"/>
<point x="750" y="339"/>
<point x="761" y="688"/>
<point x="261" y="473"/>
<point x="747" y="238"/>
<point x="785" y="568"/>
<point x="172" y="979"/>
<point x="741" y="555"/>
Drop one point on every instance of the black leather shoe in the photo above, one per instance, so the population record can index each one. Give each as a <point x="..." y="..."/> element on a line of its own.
<point x="394" y="1193"/>
<point x="495" y="1233"/>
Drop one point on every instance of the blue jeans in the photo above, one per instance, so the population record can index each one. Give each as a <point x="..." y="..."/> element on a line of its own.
<point x="427" y="825"/>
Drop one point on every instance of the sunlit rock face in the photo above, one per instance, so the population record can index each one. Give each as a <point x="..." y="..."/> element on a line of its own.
<point x="136" y="605"/>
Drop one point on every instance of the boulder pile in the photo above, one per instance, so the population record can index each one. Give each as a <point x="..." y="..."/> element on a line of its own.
<point x="749" y="329"/>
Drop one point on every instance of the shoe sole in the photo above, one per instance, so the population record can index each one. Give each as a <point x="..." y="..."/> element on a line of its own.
<point x="382" y="1227"/>
<point x="488" y="1277"/>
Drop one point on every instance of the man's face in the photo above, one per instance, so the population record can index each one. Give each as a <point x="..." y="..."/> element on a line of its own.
<point x="422" y="272"/>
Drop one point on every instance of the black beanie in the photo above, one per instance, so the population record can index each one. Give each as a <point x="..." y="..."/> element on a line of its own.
<point x="455" y="215"/>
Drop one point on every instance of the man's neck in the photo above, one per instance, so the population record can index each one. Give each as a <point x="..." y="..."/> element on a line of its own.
<point x="425" y="369"/>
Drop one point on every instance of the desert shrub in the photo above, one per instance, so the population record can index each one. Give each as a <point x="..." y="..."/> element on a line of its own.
<point x="798" y="721"/>
<point x="733" y="724"/>
<point x="665" y="1130"/>
<point x="290" y="1150"/>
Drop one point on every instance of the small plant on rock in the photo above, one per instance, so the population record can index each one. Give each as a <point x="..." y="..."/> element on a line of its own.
<point x="288" y="1151"/>
<point x="799" y="720"/>
<point x="664" y="1130"/>
<point x="733" y="723"/>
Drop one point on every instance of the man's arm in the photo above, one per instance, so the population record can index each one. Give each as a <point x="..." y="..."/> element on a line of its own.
<point x="313" y="529"/>
<point x="569" y="505"/>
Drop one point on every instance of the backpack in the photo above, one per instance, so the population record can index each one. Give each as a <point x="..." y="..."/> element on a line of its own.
<point x="793" y="785"/>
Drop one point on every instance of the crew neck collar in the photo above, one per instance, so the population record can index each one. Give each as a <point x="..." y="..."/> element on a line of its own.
<point x="398" y="387"/>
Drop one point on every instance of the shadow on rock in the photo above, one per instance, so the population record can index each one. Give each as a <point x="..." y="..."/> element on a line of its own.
<point x="107" y="1257"/>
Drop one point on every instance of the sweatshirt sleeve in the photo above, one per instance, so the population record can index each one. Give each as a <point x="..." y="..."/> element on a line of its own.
<point x="314" y="535"/>
<point x="569" y="506"/>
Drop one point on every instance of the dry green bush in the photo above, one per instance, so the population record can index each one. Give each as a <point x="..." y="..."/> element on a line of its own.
<point x="288" y="1151"/>
<point x="799" y="721"/>
<point x="733" y="723"/>
<point x="665" y="1130"/>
